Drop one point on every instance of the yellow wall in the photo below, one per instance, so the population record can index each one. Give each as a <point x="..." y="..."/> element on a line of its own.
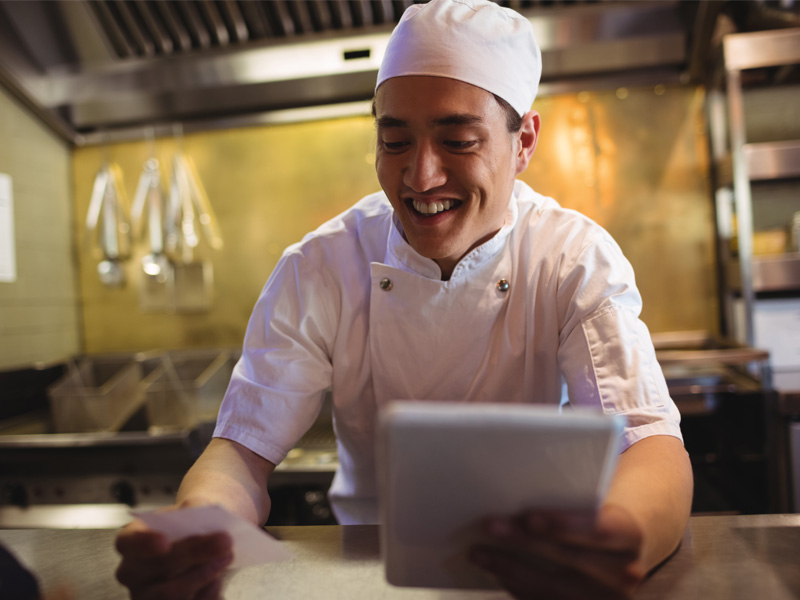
<point x="634" y="160"/>
<point x="39" y="316"/>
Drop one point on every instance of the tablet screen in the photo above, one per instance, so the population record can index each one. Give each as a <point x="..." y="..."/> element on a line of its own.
<point x="443" y="467"/>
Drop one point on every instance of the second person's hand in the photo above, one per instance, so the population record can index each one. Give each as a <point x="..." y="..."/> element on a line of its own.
<point x="152" y="568"/>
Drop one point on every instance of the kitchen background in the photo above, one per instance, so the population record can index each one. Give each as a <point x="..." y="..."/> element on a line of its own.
<point x="636" y="133"/>
<point x="633" y="159"/>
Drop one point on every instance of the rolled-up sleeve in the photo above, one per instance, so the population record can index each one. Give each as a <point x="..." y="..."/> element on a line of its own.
<point x="277" y="386"/>
<point x="606" y="354"/>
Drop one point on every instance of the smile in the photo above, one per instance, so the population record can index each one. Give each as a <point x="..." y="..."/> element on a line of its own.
<point x="433" y="208"/>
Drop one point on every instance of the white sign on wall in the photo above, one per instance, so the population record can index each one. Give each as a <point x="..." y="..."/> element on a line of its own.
<point x="8" y="260"/>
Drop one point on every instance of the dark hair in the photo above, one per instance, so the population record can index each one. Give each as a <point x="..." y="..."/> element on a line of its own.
<point x="513" y="120"/>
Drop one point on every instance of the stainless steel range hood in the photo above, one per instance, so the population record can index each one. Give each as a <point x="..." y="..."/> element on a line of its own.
<point x="110" y="65"/>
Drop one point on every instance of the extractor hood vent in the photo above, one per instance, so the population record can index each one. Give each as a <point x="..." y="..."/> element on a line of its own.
<point x="162" y="28"/>
<point x="87" y="66"/>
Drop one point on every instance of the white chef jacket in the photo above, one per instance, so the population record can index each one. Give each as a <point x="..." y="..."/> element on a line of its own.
<point x="353" y="306"/>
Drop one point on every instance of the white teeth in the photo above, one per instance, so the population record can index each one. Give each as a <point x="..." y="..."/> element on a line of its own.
<point x="431" y="208"/>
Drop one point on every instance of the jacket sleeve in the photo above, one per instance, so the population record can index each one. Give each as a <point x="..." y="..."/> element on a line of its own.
<point x="278" y="385"/>
<point x="605" y="351"/>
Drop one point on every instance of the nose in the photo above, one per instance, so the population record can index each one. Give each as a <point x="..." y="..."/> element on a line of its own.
<point x="425" y="169"/>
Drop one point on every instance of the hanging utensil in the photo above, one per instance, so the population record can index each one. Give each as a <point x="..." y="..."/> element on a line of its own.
<point x="190" y="238"/>
<point x="188" y="205"/>
<point x="108" y="215"/>
<point x="190" y="221"/>
<point x="206" y="216"/>
<point x="192" y="277"/>
<point x="148" y="217"/>
<point x="110" y="271"/>
<point x="149" y="201"/>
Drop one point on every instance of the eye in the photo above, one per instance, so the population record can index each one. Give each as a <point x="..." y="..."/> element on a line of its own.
<point x="458" y="144"/>
<point x="394" y="146"/>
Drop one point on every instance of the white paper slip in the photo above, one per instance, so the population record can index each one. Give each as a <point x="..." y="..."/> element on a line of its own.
<point x="251" y="545"/>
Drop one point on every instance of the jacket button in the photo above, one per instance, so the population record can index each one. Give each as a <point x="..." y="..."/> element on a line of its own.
<point x="386" y="284"/>
<point x="503" y="285"/>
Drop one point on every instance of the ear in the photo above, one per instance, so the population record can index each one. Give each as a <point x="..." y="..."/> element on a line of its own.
<point x="528" y="135"/>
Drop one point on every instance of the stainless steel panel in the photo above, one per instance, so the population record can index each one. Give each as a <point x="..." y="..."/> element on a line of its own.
<point x="161" y="40"/>
<point x="795" y="464"/>
<point x="738" y="557"/>
<point x="194" y="24"/>
<point x="771" y="273"/>
<point x="742" y="198"/>
<point x="757" y="49"/>
<point x="70" y="516"/>
<point x="765" y="162"/>
<point x="257" y="22"/>
<point x="773" y="160"/>
<point x="218" y="30"/>
<point x="233" y="16"/>
<point x="255" y="63"/>
<point x="90" y="42"/>
<point x="776" y="273"/>
<point x="119" y="40"/>
<point x="174" y="25"/>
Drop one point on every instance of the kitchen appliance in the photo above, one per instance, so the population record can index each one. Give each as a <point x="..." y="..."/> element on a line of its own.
<point x="95" y="395"/>
<point x="729" y="420"/>
<point x="186" y="389"/>
<point x="92" y="479"/>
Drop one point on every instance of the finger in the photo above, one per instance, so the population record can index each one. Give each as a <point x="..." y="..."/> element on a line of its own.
<point x="614" y="567"/>
<point x="137" y="539"/>
<point x="184" y="555"/>
<point x="606" y="570"/>
<point x="609" y="530"/>
<point x="538" y="579"/>
<point x="192" y="552"/>
<point x="556" y="522"/>
<point x="187" y="586"/>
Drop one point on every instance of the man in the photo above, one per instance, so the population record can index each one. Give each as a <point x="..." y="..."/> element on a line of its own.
<point x="457" y="282"/>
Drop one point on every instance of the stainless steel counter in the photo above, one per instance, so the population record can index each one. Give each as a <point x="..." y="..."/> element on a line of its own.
<point x="728" y="557"/>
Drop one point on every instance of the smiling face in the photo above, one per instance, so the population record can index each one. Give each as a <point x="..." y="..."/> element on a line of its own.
<point x="447" y="162"/>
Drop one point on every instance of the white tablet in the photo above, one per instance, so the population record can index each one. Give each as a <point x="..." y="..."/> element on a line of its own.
<point x="443" y="467"/>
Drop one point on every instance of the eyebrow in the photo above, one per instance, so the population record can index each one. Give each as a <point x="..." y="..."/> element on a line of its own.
<point x="449" y="120"/>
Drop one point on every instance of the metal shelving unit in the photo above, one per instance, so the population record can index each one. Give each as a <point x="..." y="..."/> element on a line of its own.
<point x="738" y="164"/>
<point x="760" y="294"/>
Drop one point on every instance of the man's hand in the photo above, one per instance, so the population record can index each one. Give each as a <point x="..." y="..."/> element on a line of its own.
<point x="152" y="568"/>
<point x="226" y="474"/>
<point x="561" y="555"/>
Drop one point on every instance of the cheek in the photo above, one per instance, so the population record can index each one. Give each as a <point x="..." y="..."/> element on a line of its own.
<point x="380" y="169"/>
<point x="384" y="166"/>
<point x="387" y="179"/>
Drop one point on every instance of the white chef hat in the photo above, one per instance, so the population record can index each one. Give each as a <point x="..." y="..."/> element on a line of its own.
<point x="475" y="41"/>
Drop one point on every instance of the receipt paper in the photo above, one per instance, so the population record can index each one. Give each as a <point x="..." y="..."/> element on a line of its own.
<point x="251" y="545"/>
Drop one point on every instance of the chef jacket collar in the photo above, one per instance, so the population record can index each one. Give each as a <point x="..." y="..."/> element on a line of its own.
<point x="400" y="254"/>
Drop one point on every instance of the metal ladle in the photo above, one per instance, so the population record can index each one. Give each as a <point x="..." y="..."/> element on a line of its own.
<point x="148" y="196"/>
<point x="106" y="203"/>
<point x="111" y="273"/>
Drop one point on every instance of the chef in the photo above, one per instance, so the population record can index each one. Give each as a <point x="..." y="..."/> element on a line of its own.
<point x="456" y="282"/>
